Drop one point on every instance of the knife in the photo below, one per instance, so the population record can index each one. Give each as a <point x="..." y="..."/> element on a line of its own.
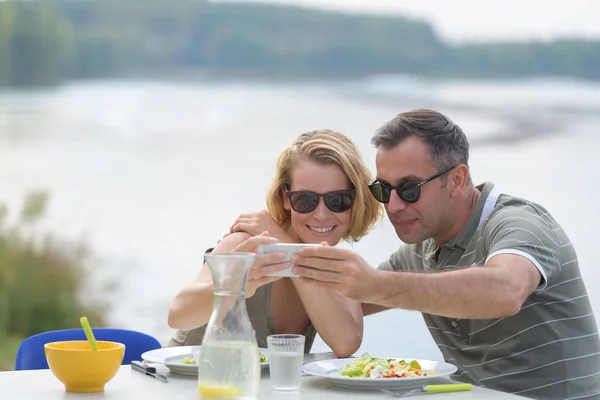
<point x="145" y="369"/>
<point x="451" y="387"/>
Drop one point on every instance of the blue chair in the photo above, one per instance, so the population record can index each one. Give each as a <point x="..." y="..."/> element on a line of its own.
<point x="30" y="354"/>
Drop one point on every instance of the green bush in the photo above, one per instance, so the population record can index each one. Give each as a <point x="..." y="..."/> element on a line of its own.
<point x="42" y="280"/>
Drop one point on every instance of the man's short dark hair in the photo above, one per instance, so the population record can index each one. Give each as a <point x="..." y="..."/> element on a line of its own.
<point x="448" y="145"/>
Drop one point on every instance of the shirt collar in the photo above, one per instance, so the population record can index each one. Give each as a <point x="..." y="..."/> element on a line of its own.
<point x="483" y="208"/>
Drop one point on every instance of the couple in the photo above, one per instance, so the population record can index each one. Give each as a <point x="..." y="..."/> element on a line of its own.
<point x="495" y="276"/>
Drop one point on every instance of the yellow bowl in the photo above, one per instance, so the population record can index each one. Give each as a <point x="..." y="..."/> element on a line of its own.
<point x="82" y="369"/>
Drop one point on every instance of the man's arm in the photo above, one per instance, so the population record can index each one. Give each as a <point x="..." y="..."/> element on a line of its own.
<point x="369" y="309"/>
<point x="523" y="256"/>
<point x="497" y="290"/>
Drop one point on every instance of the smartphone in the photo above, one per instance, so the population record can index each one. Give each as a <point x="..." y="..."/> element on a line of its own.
<point x="289" y="248"/>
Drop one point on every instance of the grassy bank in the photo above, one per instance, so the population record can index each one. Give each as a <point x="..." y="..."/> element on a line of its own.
<point x="42" y="279"/>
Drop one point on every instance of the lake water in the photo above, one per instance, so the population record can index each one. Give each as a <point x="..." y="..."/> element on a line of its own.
<point x="151" y="173"/>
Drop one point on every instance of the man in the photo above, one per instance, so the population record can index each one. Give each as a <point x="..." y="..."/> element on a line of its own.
<point x="495" y="276"/>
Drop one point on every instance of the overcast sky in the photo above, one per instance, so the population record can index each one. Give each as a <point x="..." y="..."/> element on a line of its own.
<point x="484" y="20"/>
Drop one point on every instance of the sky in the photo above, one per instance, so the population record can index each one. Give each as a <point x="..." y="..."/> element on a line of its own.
<point x="482" y="20"/>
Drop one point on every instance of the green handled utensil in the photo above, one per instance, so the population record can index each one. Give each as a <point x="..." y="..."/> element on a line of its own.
<point x="88" y="332"/>
<point x="451" y="387"/>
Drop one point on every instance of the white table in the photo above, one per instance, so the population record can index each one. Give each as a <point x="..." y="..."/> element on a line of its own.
<point x="132" y="385"/>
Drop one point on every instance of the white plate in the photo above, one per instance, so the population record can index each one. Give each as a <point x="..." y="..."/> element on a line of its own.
<point x="172" y="358"/>
<point x="330" y="369"/>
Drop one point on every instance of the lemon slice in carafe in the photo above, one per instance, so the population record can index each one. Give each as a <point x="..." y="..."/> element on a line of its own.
<point x="218" y="392"/>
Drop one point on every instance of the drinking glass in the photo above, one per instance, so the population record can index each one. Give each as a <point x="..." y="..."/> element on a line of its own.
<point x="286" y="355"/>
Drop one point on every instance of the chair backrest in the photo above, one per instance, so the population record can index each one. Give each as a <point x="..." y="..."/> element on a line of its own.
<point x="30" y="354"/>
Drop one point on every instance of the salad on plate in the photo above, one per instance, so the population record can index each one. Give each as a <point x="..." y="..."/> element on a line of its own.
<point x="373" y="367"/>
<point x="262" y="357"/>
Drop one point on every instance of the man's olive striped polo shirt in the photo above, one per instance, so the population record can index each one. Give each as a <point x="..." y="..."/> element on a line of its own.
<point x="550" y="349"/>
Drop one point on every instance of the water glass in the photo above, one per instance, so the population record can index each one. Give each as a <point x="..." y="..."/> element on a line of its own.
<point x="286" y="355"/>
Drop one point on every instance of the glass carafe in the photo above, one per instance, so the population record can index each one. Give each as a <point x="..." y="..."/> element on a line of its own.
<point x="228" y="365"/>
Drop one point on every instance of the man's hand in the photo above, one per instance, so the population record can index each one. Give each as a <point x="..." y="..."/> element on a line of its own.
<point x="259" y="271"/>
<point x="256" y="222"/>
<point x="340" y="270"/>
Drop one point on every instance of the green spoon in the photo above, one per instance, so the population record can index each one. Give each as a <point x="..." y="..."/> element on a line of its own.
<point x="88" y="332"/>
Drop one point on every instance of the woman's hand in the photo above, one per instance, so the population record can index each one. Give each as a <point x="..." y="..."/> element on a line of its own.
<point x="264" y="264"/>
<point x="193" y="305"/>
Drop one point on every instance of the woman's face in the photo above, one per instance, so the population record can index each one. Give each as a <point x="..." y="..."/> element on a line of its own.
<point x="320" y="224"/>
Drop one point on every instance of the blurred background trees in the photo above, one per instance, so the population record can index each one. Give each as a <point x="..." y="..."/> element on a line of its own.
<point x="44" y="42"/>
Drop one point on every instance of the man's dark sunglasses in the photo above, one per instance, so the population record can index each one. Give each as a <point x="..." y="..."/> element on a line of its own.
<point x="409" y="192"/>
<point x="304" y="201"/>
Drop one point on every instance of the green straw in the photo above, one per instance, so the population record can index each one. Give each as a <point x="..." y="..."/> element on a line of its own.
<point x="88" y="332"/>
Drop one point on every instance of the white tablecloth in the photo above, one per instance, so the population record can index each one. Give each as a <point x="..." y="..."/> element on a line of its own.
<point x="132" y="385"/>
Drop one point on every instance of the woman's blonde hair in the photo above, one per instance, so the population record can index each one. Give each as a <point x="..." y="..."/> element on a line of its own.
<point x="327" y="147"/>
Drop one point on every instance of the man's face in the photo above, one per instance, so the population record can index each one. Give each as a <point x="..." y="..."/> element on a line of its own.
<point x="410" y="162"/>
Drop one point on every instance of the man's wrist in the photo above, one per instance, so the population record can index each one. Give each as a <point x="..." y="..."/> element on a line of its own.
<point x="374" y="287"/>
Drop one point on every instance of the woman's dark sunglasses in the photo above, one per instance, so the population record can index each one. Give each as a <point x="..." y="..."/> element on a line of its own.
<point x="304" y="201"/>
<point x="409" y="192"/>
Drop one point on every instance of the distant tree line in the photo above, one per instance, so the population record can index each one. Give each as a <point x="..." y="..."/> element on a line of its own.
<point x="46" y="42"/>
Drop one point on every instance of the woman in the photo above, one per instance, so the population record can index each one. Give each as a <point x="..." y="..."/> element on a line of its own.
<point x="319" y="194"/>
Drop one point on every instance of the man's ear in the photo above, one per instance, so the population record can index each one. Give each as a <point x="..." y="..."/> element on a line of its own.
<point x="458" y="179"/>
